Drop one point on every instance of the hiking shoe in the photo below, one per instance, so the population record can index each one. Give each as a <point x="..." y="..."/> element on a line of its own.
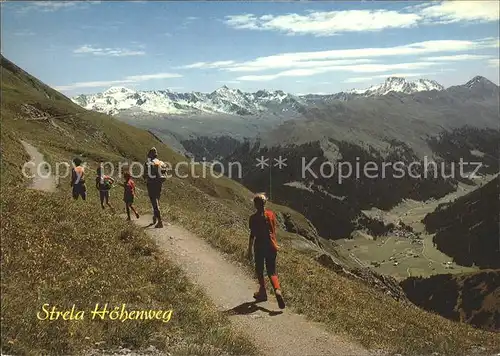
<point x="137" y="215"/>
<point x="260" y="296"/>
<point x="279" y="299"/>
<point x="159" y="225"/>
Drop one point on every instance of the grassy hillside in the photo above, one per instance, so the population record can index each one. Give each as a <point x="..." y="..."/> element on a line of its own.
<point x="215" y="209"/>
<point x="472" y="298"/>
<point x="65" y="253"/>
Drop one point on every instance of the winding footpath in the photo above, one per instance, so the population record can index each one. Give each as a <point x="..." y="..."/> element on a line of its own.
<point x="42" y="179"/>
<point x="273" y="331"/>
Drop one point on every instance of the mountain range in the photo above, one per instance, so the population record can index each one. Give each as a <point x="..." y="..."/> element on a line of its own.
<point x="232" y="101"/>
<point x="221" y="101"/>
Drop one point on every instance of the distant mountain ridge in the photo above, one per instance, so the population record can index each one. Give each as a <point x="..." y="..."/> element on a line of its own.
<point x="221" y="101"/>
<point x="230" y="101"/>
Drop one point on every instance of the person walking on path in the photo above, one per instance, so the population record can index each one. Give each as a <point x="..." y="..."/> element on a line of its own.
<point x="78" y="180"/>
<point x="263" y="241"/>
<point x="104" y="184"/>
<point x="129" y="194"/>
<point x="154" y="173"/>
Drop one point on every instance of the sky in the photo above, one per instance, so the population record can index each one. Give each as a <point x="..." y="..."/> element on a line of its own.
<point x="299" y="47"/>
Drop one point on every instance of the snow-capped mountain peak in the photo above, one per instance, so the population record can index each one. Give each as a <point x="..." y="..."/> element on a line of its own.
<point x="399" y="85"/>
<point x="116" y="90"/>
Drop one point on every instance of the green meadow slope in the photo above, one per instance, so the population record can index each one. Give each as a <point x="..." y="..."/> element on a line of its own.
<point x="65" y="252"/>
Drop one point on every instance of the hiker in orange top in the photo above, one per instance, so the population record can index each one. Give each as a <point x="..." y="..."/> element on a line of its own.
<point x="78" y="180"/>
<point x="103" y="183"/>
<point x="265" y="247"/>
<point x="129" y="194"/>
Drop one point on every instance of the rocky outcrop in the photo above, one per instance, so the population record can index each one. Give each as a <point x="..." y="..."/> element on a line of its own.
<point x="472" y="298"/>
<point x="385" y="284"/>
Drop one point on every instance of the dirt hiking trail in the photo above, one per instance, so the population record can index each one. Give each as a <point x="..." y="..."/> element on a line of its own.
<point x="273" y="331"/>
<point x="42" y="180"/>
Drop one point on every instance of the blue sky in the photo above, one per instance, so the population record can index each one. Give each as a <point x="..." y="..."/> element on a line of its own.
<point x="298" y="47"/>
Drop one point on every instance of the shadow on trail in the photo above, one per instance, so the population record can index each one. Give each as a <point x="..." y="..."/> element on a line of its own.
<point x="249" y="308"/>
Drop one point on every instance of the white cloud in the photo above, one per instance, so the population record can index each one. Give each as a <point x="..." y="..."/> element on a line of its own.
<point x="206" y="65"/>
<point x="108" y="52"/>
<point x="240" y="22"/>
<point x="129" y="80"/>
<point x="221" y="64"/>
<point x="329" y="23"/>
<point x="195" y="65"/>
<point x="345" y="57"/>
<point x="458" y="57"/>
<point x="461" y="11"/>
<point x="362" y="68"/>
<point x="417" y="48"/>
<point x="52" y="6"/>
<point x="272" y="62"/>
<point x="96" y="84"/>
<point x="325" y="23"/>
<point x="494" y="63"/>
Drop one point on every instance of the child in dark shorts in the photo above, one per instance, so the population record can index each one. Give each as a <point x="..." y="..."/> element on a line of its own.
<point x="129" y="194"/>
<point x="103" y="184"/>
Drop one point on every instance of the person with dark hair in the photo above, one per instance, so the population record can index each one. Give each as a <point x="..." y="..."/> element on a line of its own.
<point x="78" y="180"/>
<point x="154" y="173"/>
<point x="265" y="247"/>
<point x="129" y="194"/>
<point x="104" y="184"/>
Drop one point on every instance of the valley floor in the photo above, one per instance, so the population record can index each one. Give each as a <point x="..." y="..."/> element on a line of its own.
<point x="403" y="257"/>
